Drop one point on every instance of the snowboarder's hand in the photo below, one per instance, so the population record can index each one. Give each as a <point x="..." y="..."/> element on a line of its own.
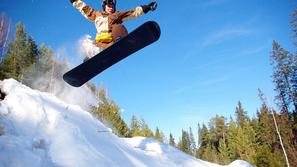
<point x="72" y="1"/>
<point x="153" y="6"/>
<point x="150" y="7"/>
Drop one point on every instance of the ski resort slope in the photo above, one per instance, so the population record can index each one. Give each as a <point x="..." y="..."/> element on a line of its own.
<point x="39" y="130"/>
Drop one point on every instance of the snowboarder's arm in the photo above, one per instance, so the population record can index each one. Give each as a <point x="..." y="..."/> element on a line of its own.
<point x="138" y="11"/>
<point x="84" y="9"/>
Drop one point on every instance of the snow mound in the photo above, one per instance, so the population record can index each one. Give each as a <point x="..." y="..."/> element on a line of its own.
<point x="38" y="129"/>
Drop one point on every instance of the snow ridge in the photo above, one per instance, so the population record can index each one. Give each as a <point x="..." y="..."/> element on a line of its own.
<point x="42" y="130"/>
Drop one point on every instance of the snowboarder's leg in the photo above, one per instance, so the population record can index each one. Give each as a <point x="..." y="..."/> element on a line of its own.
<point x="141" y="37"/>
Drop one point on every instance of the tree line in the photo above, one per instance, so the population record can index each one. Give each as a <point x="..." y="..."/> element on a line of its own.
<point x="25" y="61"/>
<point x="267" y="139"/>
<point x="109" y="113"/>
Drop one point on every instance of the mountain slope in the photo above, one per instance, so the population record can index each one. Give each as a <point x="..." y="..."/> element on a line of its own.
<point x="41" y="130"/>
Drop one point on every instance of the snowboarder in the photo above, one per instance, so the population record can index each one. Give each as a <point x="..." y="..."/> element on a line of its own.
<point x="109" y="21"/>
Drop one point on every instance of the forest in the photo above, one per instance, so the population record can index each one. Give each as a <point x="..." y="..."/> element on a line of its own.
<point x="267" y="139"/>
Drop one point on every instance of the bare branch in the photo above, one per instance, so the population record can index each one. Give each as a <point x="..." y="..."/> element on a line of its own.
<point x="5" y="26"/>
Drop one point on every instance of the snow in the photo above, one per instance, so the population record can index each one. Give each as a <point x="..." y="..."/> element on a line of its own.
<point x="87" y="48"/>
<point x="41" y="130"/>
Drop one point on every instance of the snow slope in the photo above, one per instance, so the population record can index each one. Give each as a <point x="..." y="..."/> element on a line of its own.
<point x="42" y="131"/>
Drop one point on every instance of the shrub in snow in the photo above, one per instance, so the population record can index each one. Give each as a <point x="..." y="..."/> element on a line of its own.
<point x="2" y="132"/>
<point x="2" y="95"/>
<point x="39" y="144"/>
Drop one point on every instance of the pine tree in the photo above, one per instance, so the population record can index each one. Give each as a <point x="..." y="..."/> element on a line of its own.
<point x="184" y="143"/>
<point x="192" y="142"/>
<point x="249" y="141"/>
<point x="159" y="135"/>
<point x="31" y="52"/>
<point x="45" y="59"/>
<point x="9" y="67"/>
<point x="241" y="115"/>
<point x="223" y="152"/>
<point x="217" y="130"/>
<point x="278" y="146"/>
<point x="266" y="136"/>
<point x="21" y="44"/>
<point x="41" y="68"/>
<point x="30" y="62"/>
<point x="203" y="141"/>
<point x="242" y="141"/>
<point x="284" y="77"/>
<point x="282" y="62"/>
<point x="135" y="129"/>
<point x="171" y="140"/>
<point x="146" y="131"/>
<point x="13" y="65"/>
<point x="232" y="140"/>
<point x="109" y="113"/>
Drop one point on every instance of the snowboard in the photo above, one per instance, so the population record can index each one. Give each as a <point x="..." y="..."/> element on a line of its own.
<point x="141" y="37"/>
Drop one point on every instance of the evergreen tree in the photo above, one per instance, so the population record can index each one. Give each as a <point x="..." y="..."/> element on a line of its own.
<point x="184" y="143"/>
<point x="242" y="141"/>
<point x="241" y="115"/>
<point x="13" y="63"/>
<point x="203" y="141"/>
<point x="31" y="52"/>
<point x="223" y="152"/>
<point x="192" y="142"/>
<point x="232" y="140"/>
<point x="9" y="67"/>
<point x="171" y="140"/>
<point x="286" y="132"/>
<point x="267" y="158"/>
<point x="135" y="129"/>
<point x="45" y="59"/>
<point x="249" y="143"/>
<point x="282" y="62"/>
<point x="203" y="136"/>
<point x="267" y="138"/>
<point x="276" y="140"/>
<point x="217" y="130"/>
<point x="109" y="113"/>
<point x="30" y="62"/>
<point x="159" y="135"/>
<point x="284" y="77"/>
<point x="146" y="131"/>
<point x="267" y="134"/>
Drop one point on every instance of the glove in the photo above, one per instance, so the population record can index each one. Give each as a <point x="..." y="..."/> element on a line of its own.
<point x="153" y="6"/>
<point x="150" y="7"/>
<point x="71" y="1"/>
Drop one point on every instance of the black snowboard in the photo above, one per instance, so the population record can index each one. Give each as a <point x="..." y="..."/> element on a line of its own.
<point x="141" y="37"/>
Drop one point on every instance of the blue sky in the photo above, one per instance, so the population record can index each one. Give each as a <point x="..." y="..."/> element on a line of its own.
<point x="211" y="54"/>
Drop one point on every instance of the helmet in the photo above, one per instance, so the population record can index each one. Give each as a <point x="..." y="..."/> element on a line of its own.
<point x="105" y="2"/>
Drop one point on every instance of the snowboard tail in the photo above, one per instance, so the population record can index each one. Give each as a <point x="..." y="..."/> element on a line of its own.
<point x="141" y="37"/>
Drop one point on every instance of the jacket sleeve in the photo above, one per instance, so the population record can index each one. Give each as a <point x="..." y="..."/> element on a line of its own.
<point x="131" y="14"/>
<point x="88" y="12"/>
